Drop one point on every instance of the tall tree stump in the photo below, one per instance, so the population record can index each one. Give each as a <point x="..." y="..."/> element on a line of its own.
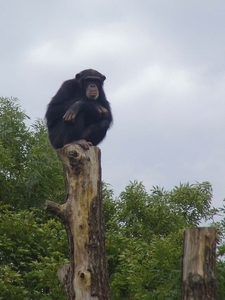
<point x="199" y="259"/>
<point x="85" y="278"/>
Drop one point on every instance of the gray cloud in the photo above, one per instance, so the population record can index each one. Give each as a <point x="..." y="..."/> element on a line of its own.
<point x="165" y="68"/>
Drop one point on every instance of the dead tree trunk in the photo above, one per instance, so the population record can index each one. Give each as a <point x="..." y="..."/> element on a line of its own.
<point x="85" y="278"/>
<point x="199" y="258"/>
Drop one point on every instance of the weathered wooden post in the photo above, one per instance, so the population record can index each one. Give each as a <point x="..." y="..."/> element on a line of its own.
<point x="199" y="258"/>
<point x="85" y="278"/>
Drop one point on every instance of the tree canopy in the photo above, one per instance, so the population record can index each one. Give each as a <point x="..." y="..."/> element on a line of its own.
<point x="30" y="171"/>
<point x="144" y="229"/>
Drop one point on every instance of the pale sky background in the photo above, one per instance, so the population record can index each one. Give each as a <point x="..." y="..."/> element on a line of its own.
<point x="165" y="66"/>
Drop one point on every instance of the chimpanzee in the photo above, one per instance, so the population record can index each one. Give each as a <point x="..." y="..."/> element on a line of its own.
<point x="79" y="112"/>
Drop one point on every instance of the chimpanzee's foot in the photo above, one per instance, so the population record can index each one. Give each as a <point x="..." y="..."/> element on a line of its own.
<point x="83" y="143"/>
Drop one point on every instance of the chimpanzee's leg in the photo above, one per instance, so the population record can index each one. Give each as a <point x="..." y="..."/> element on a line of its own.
<point x="66" y="132"/>
<point x="96" y="132"/>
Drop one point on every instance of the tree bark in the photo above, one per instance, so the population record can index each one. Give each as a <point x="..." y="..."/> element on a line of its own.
<point x="85" y="278"/>
<point x="199" y="258"/>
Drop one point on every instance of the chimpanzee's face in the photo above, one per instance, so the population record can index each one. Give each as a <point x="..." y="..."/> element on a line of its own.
<point x="91" y="87"/>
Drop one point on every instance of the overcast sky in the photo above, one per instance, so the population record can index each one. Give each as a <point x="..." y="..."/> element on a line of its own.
<point x="165" y="66"/>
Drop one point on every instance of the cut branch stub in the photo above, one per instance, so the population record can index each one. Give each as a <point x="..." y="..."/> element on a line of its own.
<point x="199" y="259"/>
<point x="86" y="276"/>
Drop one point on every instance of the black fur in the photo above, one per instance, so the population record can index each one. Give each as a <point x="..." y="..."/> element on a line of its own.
<point x="92" y="117"/>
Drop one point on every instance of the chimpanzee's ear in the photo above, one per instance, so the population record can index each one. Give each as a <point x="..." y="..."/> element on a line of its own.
<point x="103" y="78"/>
<point x="77" y="76"/>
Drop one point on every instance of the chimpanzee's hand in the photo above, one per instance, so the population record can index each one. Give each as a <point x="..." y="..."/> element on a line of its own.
<point x="93" y="109"/>
<point x="102" y="111"/>
<point x="72" y="112"/>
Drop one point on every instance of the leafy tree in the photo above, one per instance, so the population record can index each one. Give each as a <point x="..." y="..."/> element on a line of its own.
<point x="220" y="266"/>
<point x="144" y="230"/>
<point x="144" y="238"/>
<point x="32" y="248"/>
<point x="27" y="161"/>
<point x="32" y="244"/>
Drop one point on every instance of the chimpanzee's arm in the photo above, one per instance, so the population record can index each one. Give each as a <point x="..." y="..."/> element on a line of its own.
<point x="90" y="107"/>
<point x="67" y="94"/>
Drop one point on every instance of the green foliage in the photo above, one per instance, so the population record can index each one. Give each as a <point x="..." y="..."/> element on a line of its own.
<point x="32" y="248"/>
<point x="220" y="266"/>
<point x="144" y="230"/>
<point x="27" y="160"/>
<point x="144" y="238"/>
